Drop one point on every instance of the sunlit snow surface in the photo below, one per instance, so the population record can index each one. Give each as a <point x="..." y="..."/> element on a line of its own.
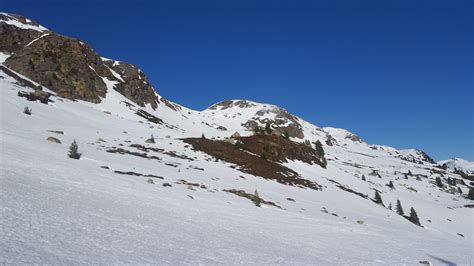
<point x="63" y="211"/>
<point x="17" y="23"/>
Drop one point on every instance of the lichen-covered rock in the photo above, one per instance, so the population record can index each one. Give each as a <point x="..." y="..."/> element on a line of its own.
<point x="13" y="38"/>
<point x="135" y="85"/>
<point x="68" y="66"/>
<point x="65" y="65"/>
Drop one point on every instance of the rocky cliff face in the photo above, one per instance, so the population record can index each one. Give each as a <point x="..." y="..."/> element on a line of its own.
<point x="13" y="37"/>
<point x="134" y="84"/>
<point x="68" y="66"/>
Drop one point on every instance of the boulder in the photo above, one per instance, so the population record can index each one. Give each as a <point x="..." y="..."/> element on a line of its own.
<point x="53" y="139"/>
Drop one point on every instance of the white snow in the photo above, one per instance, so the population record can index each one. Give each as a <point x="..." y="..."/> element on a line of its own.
<point x="56" y="210"/>
<point x="459" y="164"/>
<point x="15" y="22"/>
<point x="4" y="56"/>
<point x="46" y="34"/>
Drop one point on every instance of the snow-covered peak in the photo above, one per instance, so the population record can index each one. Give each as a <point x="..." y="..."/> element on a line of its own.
<point x="21" y="22"/>
<point x="459" y="164"/>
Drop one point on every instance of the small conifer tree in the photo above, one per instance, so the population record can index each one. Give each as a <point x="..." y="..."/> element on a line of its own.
<point x="439" y="183"/>
<point x="151" y="139"/>
<point x="390" y="206"/>
<point x="399" y="208"/>
<point x="319" y="148"/>
<point x="256" y="199"/>
<point x="459" y="190"/>
<point x="268" y="128"/>
<point x="363" y="177"/>
<point x="27" y="110"/>
<point x="73" y="151"/>
<point x="414" y="217"/>
<point x="470" y="194"/>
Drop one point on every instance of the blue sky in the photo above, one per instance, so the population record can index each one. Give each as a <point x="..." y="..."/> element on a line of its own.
<point x="398" y="73"/>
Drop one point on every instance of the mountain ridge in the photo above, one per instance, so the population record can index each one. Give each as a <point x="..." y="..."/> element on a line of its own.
<point x="237" y="182"/>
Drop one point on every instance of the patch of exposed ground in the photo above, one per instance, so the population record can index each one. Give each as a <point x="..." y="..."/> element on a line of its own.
<point x="137" y="174"/>
<point x="279" y="149"/>
<point x="170" y="153"/>
<point x="249" y="162"/>
<point x="347" y="189"/>
<point x="138" y="154"/>
<point x="257" y="200"/>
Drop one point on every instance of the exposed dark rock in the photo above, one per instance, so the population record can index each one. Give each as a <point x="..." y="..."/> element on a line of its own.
<point x="353" y="137"/>
<point x="149" y="117"/>
<point x="250" y="163"/>
<point x="37" y="95"/>
<point x="138" y="174"/>
<point x="56" y="132"/>
<point x="19" y="80"/>
<point x="251" y="197"/>
<point x="13" y="38"/>
<point x="230" y="103"/>
<point x="65" y="65"/>
<point x="135" y="85"/>
<point x="70" y="67"/>
<point x="53" y="139"/>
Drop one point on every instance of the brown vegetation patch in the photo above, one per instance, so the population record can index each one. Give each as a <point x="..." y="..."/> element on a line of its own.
<point x="279" y="149"/>
<point x="249" y="162"/>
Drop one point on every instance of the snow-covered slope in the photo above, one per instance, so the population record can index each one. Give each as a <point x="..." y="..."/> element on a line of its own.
<point x="129" y="200"/>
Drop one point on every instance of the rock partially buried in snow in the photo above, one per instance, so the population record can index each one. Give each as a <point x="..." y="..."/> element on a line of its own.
<point x="53" y="139"/>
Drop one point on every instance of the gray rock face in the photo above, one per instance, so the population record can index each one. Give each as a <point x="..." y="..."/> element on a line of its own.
<point x="68" y="66"/>
<point x="230" y="103"/>
<point x="11" y="38"/>
<point x="284" y="122"/>
<point x="135" y="86"/>
<point x="53" y="139"/>
<point x="65" y="65"/>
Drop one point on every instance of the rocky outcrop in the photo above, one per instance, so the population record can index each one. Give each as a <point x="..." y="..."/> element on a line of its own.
<point x="13" y="38"/>
<point x="68" y="66"/>
<point x="65" y="65"/>
<point x="135" y="85"/>
<point x="231" y="103"/>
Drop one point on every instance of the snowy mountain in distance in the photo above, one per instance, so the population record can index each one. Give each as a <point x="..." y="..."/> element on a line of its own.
<point x="465" y="166"/>
<point x="237" y="183"/>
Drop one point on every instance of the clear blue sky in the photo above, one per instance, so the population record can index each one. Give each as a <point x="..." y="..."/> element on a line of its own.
<point x="395" y="72"/>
